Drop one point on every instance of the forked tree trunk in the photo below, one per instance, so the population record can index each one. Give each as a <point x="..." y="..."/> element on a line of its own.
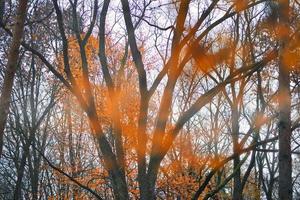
<point x="21" y="169"/>
<point x="11" y="68"/>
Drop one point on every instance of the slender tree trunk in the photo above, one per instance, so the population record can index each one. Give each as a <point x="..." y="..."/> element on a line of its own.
<point x="2" y="9"/>
<point x="62" y="186"/>
<point x="285" y="159"/>
<point x="237" y="183"/>
<point x="20" y="173"/>
<point x="11" y="68"/>
<point x="21" y="170"/>
<point x="35" y="178"/>
<point x="269" y="196"/>
<point x="34" y="170"/>
<point x="71" y="147"/>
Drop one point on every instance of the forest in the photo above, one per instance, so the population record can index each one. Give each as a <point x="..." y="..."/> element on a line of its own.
<point x="149" y="99"/>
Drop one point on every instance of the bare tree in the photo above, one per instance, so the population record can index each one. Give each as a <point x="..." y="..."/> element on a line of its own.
<point x="182" y="110"/>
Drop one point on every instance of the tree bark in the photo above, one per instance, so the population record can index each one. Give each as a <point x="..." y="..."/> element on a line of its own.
<point x="284" y="126"/>
<point x="11" y="68"/>
<point x="2" y="9"/>
<point x="21" y="170"/>
<point x="237" y="184"/>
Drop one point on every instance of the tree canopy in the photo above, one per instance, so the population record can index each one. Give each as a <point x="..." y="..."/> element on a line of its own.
<point x="149" y="99"/>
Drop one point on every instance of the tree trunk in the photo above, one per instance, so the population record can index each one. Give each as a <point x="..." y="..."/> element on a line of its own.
<point x="21" y="170"/>
<point x="34" y="162"/>
<point x="11" y="68"/>
<point x="2" y="9"/>
<point x="237" y="183"/>
<point x="20" y="173"/>
<point x="285" y="159"/>
<point x="73" y="189"/>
